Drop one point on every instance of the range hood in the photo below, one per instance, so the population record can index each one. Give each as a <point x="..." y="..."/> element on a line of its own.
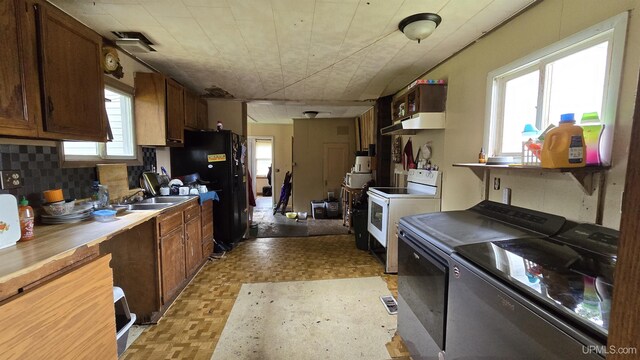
<point x="419" y="121"/>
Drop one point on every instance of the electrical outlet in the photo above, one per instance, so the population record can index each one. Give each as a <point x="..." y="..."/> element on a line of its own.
<point x="496" y="183"/>
<point x="10" y="179"/>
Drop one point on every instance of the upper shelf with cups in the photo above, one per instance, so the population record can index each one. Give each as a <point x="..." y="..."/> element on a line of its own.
<point x="422" y="107"/>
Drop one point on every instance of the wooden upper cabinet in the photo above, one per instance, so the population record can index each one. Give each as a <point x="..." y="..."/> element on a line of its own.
<point x="19" y="100"/>
<point x="190" y="110"/>
<point x="421" y="98"/>
<point x="159" y="109"/>
<point x="175" y="112"/>
<point x="71" y="77"/>
<point x="203" y="114"/>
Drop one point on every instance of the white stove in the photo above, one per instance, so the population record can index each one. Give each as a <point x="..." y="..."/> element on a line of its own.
<point x="388" y="204"/>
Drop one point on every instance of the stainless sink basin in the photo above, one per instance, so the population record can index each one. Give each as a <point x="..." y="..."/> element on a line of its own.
<point x="148" y="206"/>
<point x="165" y="200"/>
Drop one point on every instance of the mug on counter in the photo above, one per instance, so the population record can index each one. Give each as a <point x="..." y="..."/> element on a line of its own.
<point x="183" y="190"/>
<point x="165" y="190"/>
<point x="202" y="189"/>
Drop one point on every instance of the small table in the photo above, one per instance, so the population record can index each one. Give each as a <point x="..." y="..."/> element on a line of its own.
<point x="348" y="195"/>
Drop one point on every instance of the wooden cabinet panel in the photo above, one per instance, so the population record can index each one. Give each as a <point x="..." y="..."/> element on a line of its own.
<point x="150" y="109"/>
<point x="190" y="111"/>
<point x="207" y="228"/>
<point x="169" y="222"/>
<point x="72" y="317"/>
<point x="175" y="112"/>
<point x="19" y="100"/>
<point x="172" y="264"/>
<point x="71" y="76"/>
<point x="193" y="245"/>
<point x="203" y="114"/>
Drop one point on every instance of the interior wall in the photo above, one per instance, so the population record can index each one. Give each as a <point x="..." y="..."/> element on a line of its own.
<point x="309" y="137"/>
<point x="282" y="135"/>
<point x="232" y="114"/>
<point x="466" y="75"/>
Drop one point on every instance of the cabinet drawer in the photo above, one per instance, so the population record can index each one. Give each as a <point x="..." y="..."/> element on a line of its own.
<point x="169" y="222"/>
<point x="192" y="212"/>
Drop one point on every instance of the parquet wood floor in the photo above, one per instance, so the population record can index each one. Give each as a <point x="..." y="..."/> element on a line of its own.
<point x="190" y="329"/>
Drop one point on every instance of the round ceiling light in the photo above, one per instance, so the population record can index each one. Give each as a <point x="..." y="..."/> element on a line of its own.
<point x="419" y="26"/>
<point x="310" y="114"/>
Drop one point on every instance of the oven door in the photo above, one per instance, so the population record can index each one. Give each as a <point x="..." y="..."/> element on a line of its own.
<point x="423" y="286"/>
<point x="378" y="222"/>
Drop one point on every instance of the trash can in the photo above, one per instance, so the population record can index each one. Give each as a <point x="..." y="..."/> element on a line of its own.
<point x="124" y="318"/>
<point x="359" y="222"/>
<point x="331" y="208"/>
<point x="317" y="209"/>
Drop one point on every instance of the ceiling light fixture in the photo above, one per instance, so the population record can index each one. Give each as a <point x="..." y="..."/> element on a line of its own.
<point x="419" y="26"/>
<point x="310" y="114"/>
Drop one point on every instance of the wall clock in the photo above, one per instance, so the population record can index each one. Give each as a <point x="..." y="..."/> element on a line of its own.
<point x="111" y="62"/>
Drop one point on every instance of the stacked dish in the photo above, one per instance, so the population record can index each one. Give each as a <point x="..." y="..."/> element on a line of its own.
<point x="79" y="213"/>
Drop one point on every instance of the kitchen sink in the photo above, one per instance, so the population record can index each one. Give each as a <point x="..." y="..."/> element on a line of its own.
<point x="165" y="200"/>
<point x="148" y="206"/>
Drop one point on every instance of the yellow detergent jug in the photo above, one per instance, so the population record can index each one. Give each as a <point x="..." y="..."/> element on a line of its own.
<point x="564" y="146"/>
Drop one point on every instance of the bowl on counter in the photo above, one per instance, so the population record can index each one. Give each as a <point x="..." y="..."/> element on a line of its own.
<point x="105" y="215"/>
<point x="60" y="207"/>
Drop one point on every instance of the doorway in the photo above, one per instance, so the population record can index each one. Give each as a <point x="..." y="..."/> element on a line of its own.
<point x="261" y="159"/>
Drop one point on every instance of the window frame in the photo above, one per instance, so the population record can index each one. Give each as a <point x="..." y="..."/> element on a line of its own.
<point x="75" y="161"/>
<point x="258" y="139"/>
<point x="613" y="30"/>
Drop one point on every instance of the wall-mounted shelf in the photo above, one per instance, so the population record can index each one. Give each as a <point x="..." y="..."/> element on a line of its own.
<point x="583" y="175"/>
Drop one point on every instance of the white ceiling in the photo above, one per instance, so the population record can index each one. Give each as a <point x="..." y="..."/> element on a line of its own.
<point x="294" y="50"/>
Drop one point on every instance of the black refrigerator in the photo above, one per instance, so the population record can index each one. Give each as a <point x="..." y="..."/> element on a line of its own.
<point x="218" y="156"/>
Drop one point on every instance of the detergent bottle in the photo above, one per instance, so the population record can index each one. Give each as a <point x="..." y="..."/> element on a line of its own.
<point x="592" y="128"/>
<point x="564" y="145"/>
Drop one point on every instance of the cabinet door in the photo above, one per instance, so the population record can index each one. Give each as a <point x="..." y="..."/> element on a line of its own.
<point x="193" y="245"/>
<point x="72" y="83"/>
<point x="150" y="109"/>
<point x="190" y="112"/>
<point x="175" y="112"/>
<point x="207" y="228"/>
<point x="172" y="263"/>
<point x="203" y="114"/>
<point x="72" y="316"/>
<point x="19" y="101"/>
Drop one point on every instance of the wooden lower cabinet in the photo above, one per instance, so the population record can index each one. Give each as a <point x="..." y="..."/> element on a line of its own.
<point x="206" y="211"/>
<point x="172" y="264"/>
<point x="193" y="242"/>
<point x="69" y="317"/>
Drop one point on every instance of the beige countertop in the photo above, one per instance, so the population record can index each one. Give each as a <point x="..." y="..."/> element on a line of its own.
<point x="54" y="242"/>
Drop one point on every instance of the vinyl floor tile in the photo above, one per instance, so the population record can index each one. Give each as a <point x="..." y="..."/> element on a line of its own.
<point x="191" y="328"/>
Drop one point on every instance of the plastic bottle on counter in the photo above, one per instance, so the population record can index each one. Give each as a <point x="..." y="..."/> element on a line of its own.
<point x="564" y="145"/>
<point x="103" y="195"/>
<point x="482" y="157"/>
<point x="25" y="212"/>
<point x="593" y="129"/>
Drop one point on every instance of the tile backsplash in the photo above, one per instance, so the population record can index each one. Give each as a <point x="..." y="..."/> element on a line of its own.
<point x="40" y="170"/>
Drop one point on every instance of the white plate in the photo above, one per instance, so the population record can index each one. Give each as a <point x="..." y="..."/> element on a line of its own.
<point x="175" y="182"/>
<point x="9" y="221"/>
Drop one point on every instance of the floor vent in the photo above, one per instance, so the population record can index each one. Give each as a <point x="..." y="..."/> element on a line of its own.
<point x="390" y="304"/>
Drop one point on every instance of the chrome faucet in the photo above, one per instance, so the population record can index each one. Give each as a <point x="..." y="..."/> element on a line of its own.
<point x="134" y="198"/>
